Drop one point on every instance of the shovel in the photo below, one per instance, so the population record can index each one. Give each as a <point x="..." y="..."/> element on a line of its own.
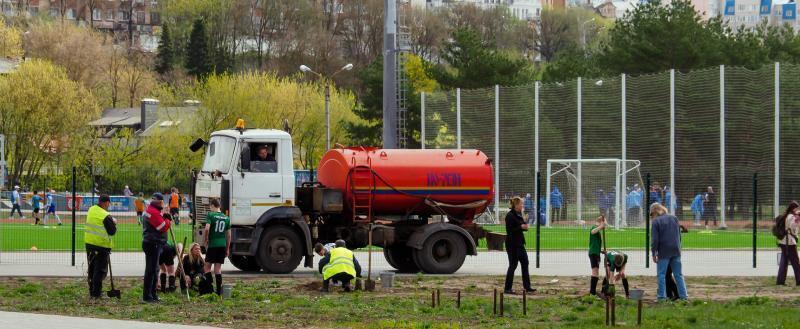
<point x="113" y="293"/>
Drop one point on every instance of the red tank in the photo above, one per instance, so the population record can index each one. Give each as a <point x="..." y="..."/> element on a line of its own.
<point x="400" y="182"/>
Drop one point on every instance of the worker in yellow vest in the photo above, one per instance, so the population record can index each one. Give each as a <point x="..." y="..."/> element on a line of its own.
<point x="338" y="265"/>
<point x="99" y="229"/>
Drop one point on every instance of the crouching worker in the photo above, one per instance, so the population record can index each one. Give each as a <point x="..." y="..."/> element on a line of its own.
<point x="615" y="262"/>
<point x="193" y="270"/>
<point x="100" y="226"/>
<point x="337" y="265"/>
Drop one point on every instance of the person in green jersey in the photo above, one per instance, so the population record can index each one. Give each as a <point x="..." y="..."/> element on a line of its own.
<point x="595" y="243"/>
<point x="615" y="262"/>
<point x="218" y="243"/>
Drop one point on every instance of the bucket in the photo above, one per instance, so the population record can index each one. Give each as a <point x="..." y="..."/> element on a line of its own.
<point x="636" y="294"/>
<point x="387" y="279"/>
<point x="227" y="290"/>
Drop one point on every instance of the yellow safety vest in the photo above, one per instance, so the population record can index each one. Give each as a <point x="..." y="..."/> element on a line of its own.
<point x="341" y="262"/>
<point x="94" y="232"/>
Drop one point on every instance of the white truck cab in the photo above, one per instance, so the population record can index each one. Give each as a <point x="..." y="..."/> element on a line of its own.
<point x="257" y="182"/>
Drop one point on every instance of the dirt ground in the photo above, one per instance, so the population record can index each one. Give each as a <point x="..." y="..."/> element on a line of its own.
<point x="704" y="288"/>
<point x="699" y="288"/>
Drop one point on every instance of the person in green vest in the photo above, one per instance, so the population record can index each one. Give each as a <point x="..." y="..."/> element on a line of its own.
<point x="615" y="262"/>
<point x="100" y="227"/>
<point x="595" y="243"/>
<point x="338" y="265"/>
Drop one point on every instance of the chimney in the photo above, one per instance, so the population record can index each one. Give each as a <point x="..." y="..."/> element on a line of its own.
<point x="149" y="115"/>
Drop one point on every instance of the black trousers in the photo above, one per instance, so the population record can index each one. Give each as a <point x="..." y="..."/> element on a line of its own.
<point x="152" y="251"/>
<point x="517" y="254"/>
<point x="672" y="286"/>
<point x="17" y="208"/>
<point x="788" y="256"/>
<point x="98" y="268"/>
<point x="344" y="278"/>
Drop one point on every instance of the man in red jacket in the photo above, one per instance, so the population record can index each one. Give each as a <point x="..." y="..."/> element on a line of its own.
<point x="154" y="238"/>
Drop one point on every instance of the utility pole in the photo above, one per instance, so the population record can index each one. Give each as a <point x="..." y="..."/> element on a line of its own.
<point x="389" y="75"/>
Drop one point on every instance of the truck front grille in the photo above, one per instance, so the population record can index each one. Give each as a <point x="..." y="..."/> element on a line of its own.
<point x="201" y="208"/>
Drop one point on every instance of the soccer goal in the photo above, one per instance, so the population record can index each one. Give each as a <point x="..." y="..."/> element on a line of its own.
<point x="578" y="191"/>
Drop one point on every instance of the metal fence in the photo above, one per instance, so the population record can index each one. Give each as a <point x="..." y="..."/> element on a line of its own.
<point x="712" y="128"/>
<point x="58" y="239"/>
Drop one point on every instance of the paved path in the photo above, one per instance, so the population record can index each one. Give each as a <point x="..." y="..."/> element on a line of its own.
<point x="555" y="263"/>
<point x="42" y="321"/>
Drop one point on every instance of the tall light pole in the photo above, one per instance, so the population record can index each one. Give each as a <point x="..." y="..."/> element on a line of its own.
<point x="306" y="69"/>
<point x="583" y="32"/>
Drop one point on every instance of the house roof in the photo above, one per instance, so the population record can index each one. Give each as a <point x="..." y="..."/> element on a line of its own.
<point x="123" y="117"/>
<point x="180" y="118"/>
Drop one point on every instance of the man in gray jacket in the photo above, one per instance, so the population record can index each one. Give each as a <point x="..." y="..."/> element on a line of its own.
<point x="666" y="248"/>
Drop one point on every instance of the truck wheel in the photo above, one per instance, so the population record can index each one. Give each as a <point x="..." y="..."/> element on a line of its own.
<point x="245" y="263"/>
<point x="279" y="250"/>
<point x="401" y="258"/>
<point x="442" y="253"/>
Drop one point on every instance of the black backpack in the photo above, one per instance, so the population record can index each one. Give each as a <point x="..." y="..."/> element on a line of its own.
<point x="779" y="228"/>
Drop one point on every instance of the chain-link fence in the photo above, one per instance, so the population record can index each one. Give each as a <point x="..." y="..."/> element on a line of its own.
<point x="49" y="228"/>
<point x="700" y="135"/>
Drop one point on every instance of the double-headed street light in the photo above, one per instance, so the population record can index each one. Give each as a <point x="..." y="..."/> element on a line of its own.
<point x="306" y="69"/>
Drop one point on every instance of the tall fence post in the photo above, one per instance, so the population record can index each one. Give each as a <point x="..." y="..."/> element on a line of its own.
<point x="672" y="141"/>
<point x="722" y="195"/>
<point x="755" y="217"/>
<point x="458" y="118"/>
<point x="579" y="188"/>
<point x="777" y="183"/>
<point x="422" y="119"/>
<point x="536" y="140"/>
<point x="74" y="205"/>
<point x="497" y="151"/>
<point x="622" y="192"/>
<point x="538" y="216"/>
<point x="647" y="221"/>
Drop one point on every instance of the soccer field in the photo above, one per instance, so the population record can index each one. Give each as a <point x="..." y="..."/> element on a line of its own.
<point x="23" y="236"/>
<point x="18" y="236"/>
<point x="568" y="238"/>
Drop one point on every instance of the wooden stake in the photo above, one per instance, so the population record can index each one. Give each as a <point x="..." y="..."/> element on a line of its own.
<point x="438" y="297"/>
<point x="458" y="299"/>
<point x="502" y="304"/>
<point x="494" y="307"/>
<point x="524" y="302"/>
<point x="608" y="311"/>
<point x="433" y="298"/>
<point x="639" y="314"/>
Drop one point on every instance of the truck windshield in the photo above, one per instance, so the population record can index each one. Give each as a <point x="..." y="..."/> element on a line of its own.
<point x="219" y="154"/>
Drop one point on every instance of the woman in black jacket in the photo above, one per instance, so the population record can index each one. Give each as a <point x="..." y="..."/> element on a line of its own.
<point x="192" y="276"/>
<point x="515" y="246"/>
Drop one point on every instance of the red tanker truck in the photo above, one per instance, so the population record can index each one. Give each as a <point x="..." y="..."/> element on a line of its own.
<point x="419" y="205"/>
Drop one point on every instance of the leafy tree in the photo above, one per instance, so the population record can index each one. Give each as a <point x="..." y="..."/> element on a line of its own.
<point x="370" y="110"/>
<point x="43" y="114"/>
<point x="657" y="37"/>
<point x="198" y="59"/>
<point x="472" y="63"/>
<point x="166" y="54"/>
<point x="10" y="40"/>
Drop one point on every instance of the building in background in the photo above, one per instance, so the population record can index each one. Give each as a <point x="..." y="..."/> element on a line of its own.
<point x="127" y="20"/>
<point x="522" y="9"/>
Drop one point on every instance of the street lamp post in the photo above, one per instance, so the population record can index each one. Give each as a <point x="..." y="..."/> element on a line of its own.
<point x="306" y="69"/>
<point x="583" y="32"/>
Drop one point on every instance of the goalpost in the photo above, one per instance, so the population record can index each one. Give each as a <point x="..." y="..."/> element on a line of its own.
<point x="581" y="190"/>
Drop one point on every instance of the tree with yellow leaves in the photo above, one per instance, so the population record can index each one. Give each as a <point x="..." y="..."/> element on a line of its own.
<point x="10" y="40"/>
<point x="43" y="115"/>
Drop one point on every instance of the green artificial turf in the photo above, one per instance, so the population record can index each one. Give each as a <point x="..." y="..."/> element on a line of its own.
<point x="24" y="236"/>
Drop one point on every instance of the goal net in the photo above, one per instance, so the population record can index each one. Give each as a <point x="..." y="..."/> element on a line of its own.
<point x="579" y="191"/>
